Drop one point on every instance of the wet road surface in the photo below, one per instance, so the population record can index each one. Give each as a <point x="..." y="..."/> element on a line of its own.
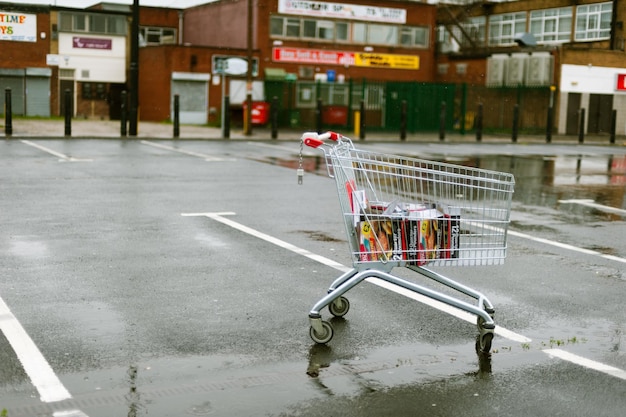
<point x="124" y="293"/>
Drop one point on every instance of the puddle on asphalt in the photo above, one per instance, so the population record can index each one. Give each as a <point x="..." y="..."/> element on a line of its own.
<point x="546" y="181"/>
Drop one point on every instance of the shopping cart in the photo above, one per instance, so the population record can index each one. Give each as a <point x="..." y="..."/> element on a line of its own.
<point x="406" y="212"/>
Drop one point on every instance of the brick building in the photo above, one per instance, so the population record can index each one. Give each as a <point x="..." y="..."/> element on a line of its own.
<point x="530" y="45"/>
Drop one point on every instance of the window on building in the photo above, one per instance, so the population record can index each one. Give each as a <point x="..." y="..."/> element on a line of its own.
<point x="92" y="23"/>
<point x="354" y="32"/>
<point x="593" y="21"/>
<point x="412" y="37"/>
<point x="318" y="29"/>
<point x="503" y="27"/>
<point x="156" y="36"/>
<point x="551" y="25"/>
<point x="382" y="34"/>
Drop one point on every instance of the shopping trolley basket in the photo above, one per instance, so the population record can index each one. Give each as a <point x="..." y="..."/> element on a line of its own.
<point x="413" y="213"/>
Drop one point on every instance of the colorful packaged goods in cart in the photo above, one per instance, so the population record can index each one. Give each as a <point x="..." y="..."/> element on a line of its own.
<point x="413" y="233"/>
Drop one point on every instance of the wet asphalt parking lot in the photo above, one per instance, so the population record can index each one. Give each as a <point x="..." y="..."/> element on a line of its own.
<point x="174" y="278"/>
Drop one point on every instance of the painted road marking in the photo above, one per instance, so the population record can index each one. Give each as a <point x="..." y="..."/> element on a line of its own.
<point x="587" y="363"/>
<point x="567" y="246"/>
<point x="453" y="311"/>
<point x="62" y="157"/>
<point x="35" y="365"/>
<point x="206" y="157"/>
<point x="593" y="204"/>
<point x="579" y="360"/>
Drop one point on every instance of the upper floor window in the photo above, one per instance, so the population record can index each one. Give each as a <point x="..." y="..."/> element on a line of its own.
<point x="551" y="25"/>
<point x="92" y="23"/>
<point x="156" y="36"/>
<point x="353" y="32"/>
<point x="593" y="21"/>
<point x="503" y="27"/>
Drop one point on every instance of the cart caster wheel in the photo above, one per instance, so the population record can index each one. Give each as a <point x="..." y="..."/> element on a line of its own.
<point x="323" y="337"/>
<point x="483" y="342"/>
<point x="339" y="307"/>
<point x="480" y="321"/>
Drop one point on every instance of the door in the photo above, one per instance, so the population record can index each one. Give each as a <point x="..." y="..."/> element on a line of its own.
<point x="192" y="99"/>
<point x="38" y="96"/>
<point x="571" y="119"/>
<point x="16" y="84"/>
<point x="600" y="109"/>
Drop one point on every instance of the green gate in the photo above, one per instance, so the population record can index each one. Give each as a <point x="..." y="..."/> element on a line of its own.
<point x="423" y="105"/>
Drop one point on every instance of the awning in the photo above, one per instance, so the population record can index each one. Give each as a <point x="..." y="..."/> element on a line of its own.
<point x="277" y="74"/>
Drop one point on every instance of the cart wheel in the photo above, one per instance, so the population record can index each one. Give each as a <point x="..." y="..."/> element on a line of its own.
<point x="483" y="342"/>
<point x="480" y="321"/>
<point x="325" y="336"/>
<point x="342" y="309"/>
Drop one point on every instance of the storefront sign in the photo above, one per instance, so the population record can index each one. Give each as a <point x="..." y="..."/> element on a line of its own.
<point x="91" y="43"/>
<point x="19" y="27"/>
<point x="342" y="11"/>
<point x="366" y="59"/>
<point x="621" y="82"/>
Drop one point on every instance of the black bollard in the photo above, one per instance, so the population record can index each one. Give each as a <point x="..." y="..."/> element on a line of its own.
<point x="479" y="123"/>
<point x="403" y="120"/>
<point x="68" y="112"/>
<point x="442" y="121"/>
<point x="514" y="131"/>
<point x="8" y="113"/>
<point x="318" y="116"/>
<point x="176" y="115"/>
<point x="549" y="124"/>
<point x="362" y="121"/>
<point x="123" y="113"/>
<point x="581" y="126"/>
<point x="274" y="117"/>
<point x="613" y="125"/>
<point x="226" y="110"/>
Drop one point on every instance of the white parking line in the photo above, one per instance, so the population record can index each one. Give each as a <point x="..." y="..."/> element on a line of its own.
<point x="593" y="204"/>
<point x="35" y="365"/>
<point x="206" y="157"/>
<point x="587" y="363"/>
<point x="566" y="246"/>
<point x="579" y="360"/>
<point x="62" y="157"/>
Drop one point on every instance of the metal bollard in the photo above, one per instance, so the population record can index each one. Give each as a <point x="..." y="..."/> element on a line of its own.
<point x="442" y="121"/>
<point x="514" y="131"/>
<point x="581" y="126"/>
<point x="68" y="112"/>
<point x="123" y="113"/>
<point x="176" y="115"/>
<point x="8" y="113"/>
<point x="479" y="123"/>
<point x="403" y="120"/>
<point x="613" y="126"/>
<point x="362" y="121"/>
<point x="274" y="117"/>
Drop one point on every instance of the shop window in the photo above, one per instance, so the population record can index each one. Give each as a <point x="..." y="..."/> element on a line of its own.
<point x="94" y="91"/>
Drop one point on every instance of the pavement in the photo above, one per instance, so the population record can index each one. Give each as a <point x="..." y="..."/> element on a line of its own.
<point x="25" y="128"/>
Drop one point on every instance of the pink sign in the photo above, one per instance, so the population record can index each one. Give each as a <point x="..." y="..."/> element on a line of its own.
<point x="92" y="43"/>
<point x="313" y="56"/>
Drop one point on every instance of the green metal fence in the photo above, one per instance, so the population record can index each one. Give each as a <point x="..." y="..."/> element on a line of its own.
<point x="304" y="104"/>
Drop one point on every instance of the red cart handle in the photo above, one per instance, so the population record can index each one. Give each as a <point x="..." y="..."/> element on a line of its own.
<point x="315" y="140"/>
